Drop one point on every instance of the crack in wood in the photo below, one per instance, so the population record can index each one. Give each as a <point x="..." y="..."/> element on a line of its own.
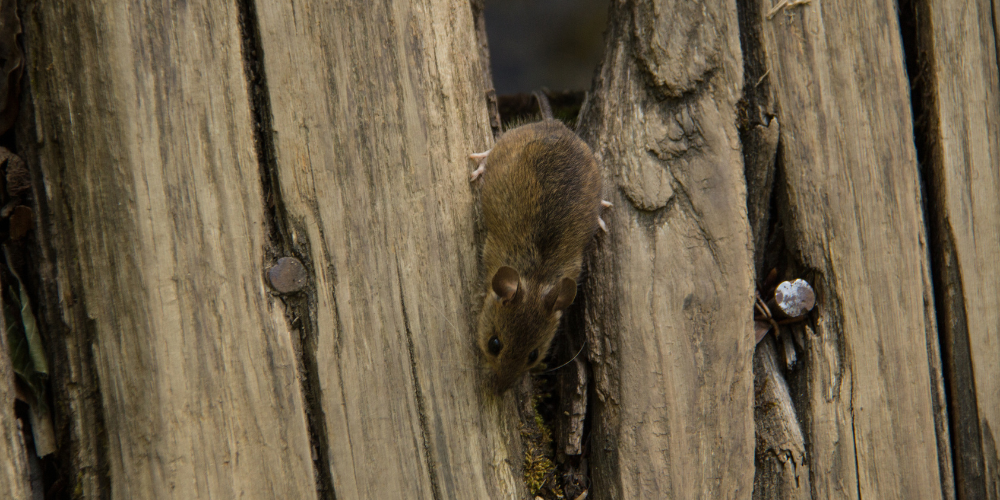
<point x="960" y="440"/>
<point x="282" y="243"/>
<point x="425" y="434"/>
<point x="681" y="193"/>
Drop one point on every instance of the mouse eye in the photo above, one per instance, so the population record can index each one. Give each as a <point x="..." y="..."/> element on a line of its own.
<point x="494" y="345"/>
<point x="533" y="356"/>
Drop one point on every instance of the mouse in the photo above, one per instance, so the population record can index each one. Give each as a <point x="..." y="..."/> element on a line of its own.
<point x="540" y="202"/>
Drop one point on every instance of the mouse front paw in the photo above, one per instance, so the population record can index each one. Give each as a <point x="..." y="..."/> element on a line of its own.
<point x="480" y="159"/>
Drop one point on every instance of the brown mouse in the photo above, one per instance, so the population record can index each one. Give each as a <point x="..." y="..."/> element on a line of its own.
<point x="541" y="202"/>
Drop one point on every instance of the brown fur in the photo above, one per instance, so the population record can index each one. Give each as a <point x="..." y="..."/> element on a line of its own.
<point x="541" y="198"/>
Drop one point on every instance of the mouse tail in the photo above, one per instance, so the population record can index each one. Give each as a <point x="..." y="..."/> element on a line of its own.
<point x="543" y="105"/>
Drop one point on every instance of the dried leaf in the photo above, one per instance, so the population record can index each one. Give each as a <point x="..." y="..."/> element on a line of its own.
<point x="15" y="172"/>
<point x="38" y="359"/>
<point x="24" y="343"/>
<point x="760" y="329"/>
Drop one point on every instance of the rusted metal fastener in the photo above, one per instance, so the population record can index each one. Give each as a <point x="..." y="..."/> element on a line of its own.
<point x="791" y="302"/>
<point x="288" y="275"/>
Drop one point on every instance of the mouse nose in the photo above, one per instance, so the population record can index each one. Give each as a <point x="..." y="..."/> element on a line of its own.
<point x="503" y="382"/>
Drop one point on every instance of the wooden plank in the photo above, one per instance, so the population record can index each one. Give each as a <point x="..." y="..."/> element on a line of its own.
<point x="669" y="297"/>
<point x="852" y="216"/>
<point x="13" y="458"/>
<point x="960" y="93"/>
<point x="154" y="213"/>
<point x="781" y="470"/>
<point x="376" y="108"/>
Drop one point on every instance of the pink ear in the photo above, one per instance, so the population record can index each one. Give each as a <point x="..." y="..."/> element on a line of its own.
<point x="505" y="283"/>
<point x="561" y="296"/>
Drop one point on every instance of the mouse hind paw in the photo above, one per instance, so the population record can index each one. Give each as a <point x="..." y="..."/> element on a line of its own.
<point x="600" y="221"/>
<point x="480" y="159"/>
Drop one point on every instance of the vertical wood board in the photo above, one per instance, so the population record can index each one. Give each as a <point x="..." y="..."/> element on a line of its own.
<point x="961" y="68"/>
<point x="376" y="108"/>
<point x="156" y="220"/>
<point x="668" y="299"/>
<point x="853" y="209"/>
<point x="13" y="458"/>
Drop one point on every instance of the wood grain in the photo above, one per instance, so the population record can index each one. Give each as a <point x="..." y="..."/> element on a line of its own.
<point x="13" y="460"/>
<point x="781" y="469"/>
<point x="852" y="215"/>
<point x="960" y="93"/>
<point x="154" y="214"/>
<point x="376" y="108"/>
<point x="668" y="301"/>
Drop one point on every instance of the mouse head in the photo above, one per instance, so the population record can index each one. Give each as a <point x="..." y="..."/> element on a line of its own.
<point x="518" y="322"/>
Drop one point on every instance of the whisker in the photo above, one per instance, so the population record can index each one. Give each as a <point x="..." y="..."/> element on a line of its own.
<point x="570" y="359"/>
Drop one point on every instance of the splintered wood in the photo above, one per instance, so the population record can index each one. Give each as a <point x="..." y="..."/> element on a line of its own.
<point x="14" y="465"/>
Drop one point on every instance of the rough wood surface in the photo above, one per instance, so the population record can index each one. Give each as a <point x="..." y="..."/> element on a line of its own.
<point x="959" y="92"/>
<point x="155" y="224"/>
<point x="178" y="150"/>
<point x="781" y="469"/>
<point x="376" y="108"/>
<point x="13" y="460"/>
<point x="668" y="300"/>
<point x="852" y="213"/>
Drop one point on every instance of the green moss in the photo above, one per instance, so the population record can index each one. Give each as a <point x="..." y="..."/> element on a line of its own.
<point x="539" y="470"/>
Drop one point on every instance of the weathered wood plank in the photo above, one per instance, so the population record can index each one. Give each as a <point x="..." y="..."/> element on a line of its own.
<point x="960" y="94"/>
<point x="376" y="108"/>
<point x="668" y="300"/>
<point x="13" y="461"/>
<point x="852" y="215"/>
<point x="781" y="469"/>
<point x="154" y="213"/>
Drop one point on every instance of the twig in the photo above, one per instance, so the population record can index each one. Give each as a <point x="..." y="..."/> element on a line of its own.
<point x="762" y="77"/>
<point x="783" y="4"/>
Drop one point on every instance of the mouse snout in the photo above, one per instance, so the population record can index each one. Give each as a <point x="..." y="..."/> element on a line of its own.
<point x="503" y="381"/>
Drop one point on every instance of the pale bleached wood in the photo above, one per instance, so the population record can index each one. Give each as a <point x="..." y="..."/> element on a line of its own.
<point x="154" y="219"/>
<point x="669" y="296"/>
<point x="376" y="107"/>
<point x="13" y="459"/>
<point x="852" y="215"/>
<point x="957" y="57"/>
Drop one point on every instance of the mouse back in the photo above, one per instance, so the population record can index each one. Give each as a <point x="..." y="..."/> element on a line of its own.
<point x="541" y="200"/>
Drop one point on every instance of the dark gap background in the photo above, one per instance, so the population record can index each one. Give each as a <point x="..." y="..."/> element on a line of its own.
<point x="544" y="44"/>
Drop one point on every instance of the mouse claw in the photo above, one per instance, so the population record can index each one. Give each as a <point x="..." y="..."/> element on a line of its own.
<point x="606" y="204"/>
<point x="477" y="172"/>
<point x="480" y="159"/>
<point x="604" y="227"/>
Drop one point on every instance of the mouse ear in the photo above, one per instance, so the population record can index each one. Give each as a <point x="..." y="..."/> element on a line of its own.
<point x="561" y="295"/>
<point x="505" y="283"/>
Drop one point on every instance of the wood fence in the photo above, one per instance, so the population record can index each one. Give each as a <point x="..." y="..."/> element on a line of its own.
<point x="178" y="150"/>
